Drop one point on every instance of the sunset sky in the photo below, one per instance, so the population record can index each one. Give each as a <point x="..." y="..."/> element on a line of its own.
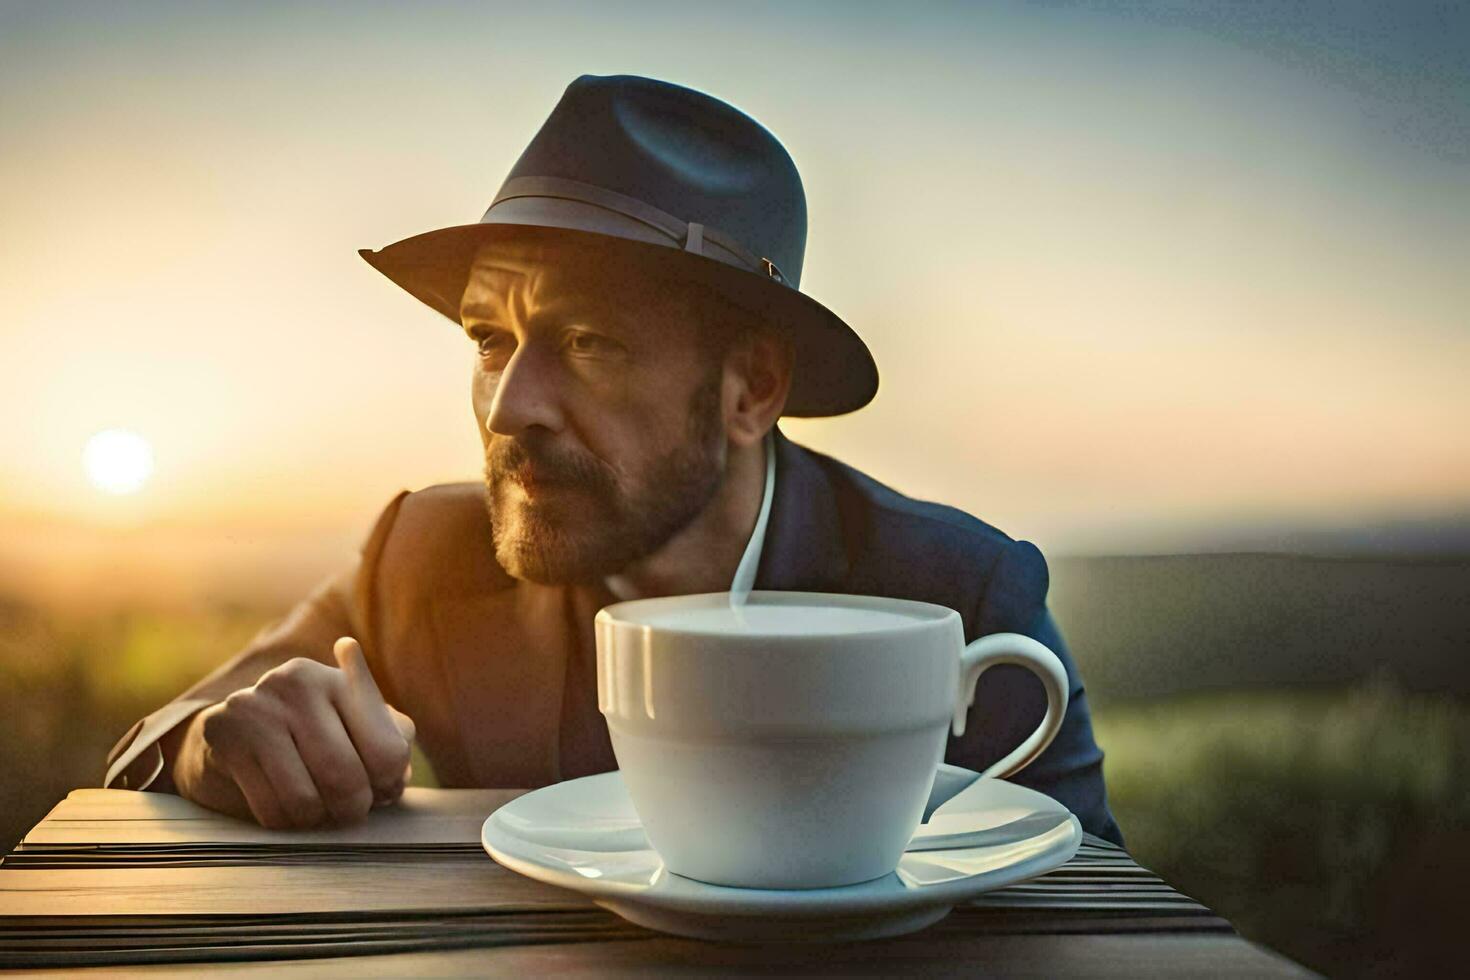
<point x="1132" y="273"/>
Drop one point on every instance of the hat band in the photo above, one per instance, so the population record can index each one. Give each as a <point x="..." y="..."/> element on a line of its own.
<point x="691" y="236"/>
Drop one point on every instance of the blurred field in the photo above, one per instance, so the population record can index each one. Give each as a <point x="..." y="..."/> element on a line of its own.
<point x="1332" y="826"/>
<point x="1287" y="737"/>
<point x="1288" y="740"/>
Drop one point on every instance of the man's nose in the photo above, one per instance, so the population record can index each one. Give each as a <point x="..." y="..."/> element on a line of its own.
<point x="525" y="395"/>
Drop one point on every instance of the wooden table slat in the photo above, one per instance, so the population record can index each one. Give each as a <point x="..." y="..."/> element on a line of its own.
<point x="138" y="881"/>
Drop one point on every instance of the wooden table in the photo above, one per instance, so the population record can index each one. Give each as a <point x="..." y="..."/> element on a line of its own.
<point x="143" y="883"/>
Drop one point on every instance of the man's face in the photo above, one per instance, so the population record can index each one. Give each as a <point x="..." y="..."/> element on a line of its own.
<point x="602" y="424"/>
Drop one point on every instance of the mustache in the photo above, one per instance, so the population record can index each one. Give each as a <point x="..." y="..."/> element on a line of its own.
<point x="511" y="458"/>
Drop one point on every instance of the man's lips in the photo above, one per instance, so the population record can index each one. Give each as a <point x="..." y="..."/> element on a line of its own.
<point x="535" y="481"/>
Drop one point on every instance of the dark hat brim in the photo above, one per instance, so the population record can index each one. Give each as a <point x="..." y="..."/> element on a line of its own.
<point x="834" y="372"/>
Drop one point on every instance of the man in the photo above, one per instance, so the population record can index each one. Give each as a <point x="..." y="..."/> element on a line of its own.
<point x="632" y="298"/>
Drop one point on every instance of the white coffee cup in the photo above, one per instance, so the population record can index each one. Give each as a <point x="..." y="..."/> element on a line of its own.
<point x="792" y="742"/>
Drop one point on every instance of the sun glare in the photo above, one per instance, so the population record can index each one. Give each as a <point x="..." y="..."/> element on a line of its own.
<point x="118" y="461"/>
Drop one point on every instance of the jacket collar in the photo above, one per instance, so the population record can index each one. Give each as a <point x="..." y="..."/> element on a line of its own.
<point x="804" y="550"/>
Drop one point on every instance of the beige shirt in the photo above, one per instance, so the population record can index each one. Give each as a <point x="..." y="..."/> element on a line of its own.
<point x="530" y="684"/>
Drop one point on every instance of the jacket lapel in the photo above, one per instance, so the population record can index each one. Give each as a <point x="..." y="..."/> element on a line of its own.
<point x="804" y="550"/>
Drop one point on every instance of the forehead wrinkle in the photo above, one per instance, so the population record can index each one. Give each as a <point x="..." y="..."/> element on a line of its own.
<point x="511" y="285"/>
<point x="533" y="278"/>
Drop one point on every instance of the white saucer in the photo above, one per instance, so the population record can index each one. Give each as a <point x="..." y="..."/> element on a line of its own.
<point x="584" y="834"/>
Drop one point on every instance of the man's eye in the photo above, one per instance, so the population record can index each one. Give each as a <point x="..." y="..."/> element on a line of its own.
<point x="492" y="344"/>
<point x="582" y="342"/>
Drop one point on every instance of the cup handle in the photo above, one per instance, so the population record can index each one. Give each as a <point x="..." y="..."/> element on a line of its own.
<point x="1023" y="651"/>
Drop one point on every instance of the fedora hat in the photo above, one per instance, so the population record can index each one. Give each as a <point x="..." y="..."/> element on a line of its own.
<point x="673" y="183"/>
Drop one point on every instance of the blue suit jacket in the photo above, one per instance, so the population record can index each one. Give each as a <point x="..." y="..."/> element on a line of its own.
<point x="834" y="529"/>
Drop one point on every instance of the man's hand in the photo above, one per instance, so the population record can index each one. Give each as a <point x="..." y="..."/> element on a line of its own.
<point x="307" y="744"/>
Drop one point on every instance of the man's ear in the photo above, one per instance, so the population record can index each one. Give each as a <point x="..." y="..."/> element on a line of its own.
<point x="757" y="382"/>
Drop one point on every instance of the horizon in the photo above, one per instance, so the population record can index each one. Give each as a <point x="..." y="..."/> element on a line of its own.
<point x="117" y="567"/>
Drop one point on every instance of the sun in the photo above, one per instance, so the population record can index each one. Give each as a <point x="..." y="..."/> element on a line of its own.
<point x="118" y="461"/>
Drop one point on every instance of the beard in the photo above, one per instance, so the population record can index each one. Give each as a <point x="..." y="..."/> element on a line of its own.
<point x="581" y="525"/>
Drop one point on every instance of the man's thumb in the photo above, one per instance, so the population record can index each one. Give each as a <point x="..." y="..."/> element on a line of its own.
<point x="360" y="679"/>
<point x="354" y="664"/>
